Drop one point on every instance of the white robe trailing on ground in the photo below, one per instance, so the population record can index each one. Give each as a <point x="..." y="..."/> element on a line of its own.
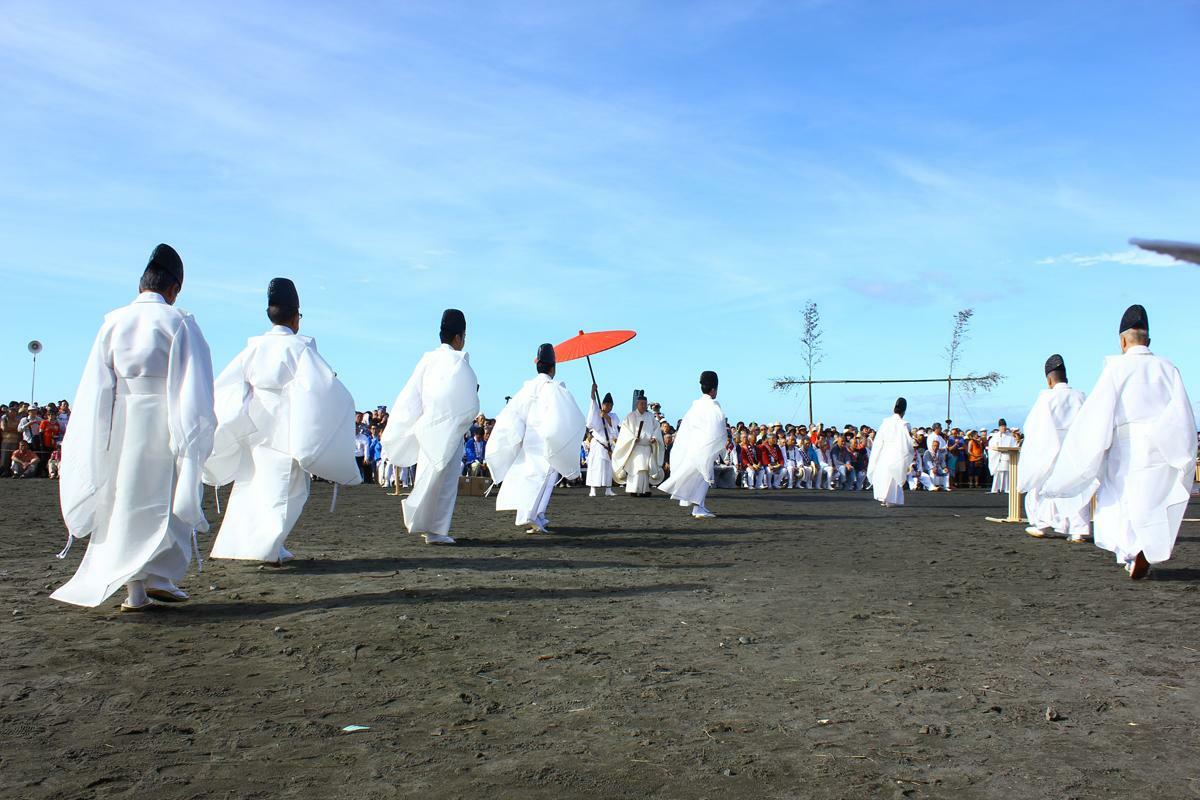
<point x="282" y="415"/>
<point x="638" y="456"/>
<point x="535" y="440"/>
<point x="604" y="429"/>
<point x="891" y="455"/>
<point x="141" y="428"/>
<point x="1136" y="434"/>
<point x="1045" y="429"/>
<point x="700" y="440"/>
<point x="426" y="426"/>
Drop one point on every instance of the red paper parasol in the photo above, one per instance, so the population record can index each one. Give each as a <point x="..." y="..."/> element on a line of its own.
<point x="589" y="344"/>
<point x="586" y="345"/>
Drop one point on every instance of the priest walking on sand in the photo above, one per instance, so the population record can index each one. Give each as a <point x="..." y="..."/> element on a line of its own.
<point x="700" y="440"/>
<point x="426" y="427"/>
<point x="141" y="428"/>
<point x="891" y="454"/>
<point x="282" y="417"/>
<point x="604" y="425"/>
<point x="535" y="442"/>
<point x="1136" y="435"/>
<point x="1045" y="428"/>
<point x="638" y="457"/>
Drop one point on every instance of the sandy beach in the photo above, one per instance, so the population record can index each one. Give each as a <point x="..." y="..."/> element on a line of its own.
<point x="802" y="644"/>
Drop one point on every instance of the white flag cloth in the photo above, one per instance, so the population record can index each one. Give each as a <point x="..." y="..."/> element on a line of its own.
<point x="426" y="426"/>
<point x="891" y="455"/>
<point x="702" y="436"/>
<point x="1136" y="435"/>
<point x="141" y="428"/>
<point x="538" y="432"/>
<point x="282" y="415"/>
<point x="1045" y="429"/>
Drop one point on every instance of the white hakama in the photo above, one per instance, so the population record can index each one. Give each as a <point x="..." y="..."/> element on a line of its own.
<point x="890" y="459"/>
<point x="1136" y="435"/>
<point x="141" y="427"/>
<point x="534" y="442"/>
<point x="426" y="426"/>
<point x="638" y="456"/>
<point x="282" y="416"/>
<point x="1045" y="429"/>
<point x="701" y="439"/>
<point x="604" y="429"/>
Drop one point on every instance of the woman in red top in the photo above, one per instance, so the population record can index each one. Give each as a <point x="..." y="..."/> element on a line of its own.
<point x="49" y="430"/>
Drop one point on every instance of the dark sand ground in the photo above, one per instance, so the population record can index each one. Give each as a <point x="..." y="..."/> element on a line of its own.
<point x="800" y="645"/>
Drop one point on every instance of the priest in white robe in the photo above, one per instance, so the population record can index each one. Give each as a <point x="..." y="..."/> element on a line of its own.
<point x="1045" y="428"/>
<point x="638" y="457"/>
<point x="141" y="428"/>
<point x="282" y="417"/>
<point x="891" y="454"/>
<point x="699" y="441"/>
<point x="1136" y="435"/>
<point x="604" y="425"/>
<point x="534" y="443"/>
<point x="998" y="460"/>
<point x="427" y="426"/>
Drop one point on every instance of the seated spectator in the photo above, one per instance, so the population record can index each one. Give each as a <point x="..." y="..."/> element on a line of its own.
<point x="770" y="456"/>
<point x="822" y="459"/>
<point x="24" y="461"/>
<point x="54" y="462"/>
<point x="918" y="473"/>
<point x="843" y="468"/>
<point x="936" y="466"/>
<point x="475" y="453"/>
<point x="796" y="463"/>
<point x="749" y="463"/>
<point x="725" y="473"/>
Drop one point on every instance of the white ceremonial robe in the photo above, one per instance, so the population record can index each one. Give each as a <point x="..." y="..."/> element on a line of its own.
<point x="638" y="457"/>
<point x="698" y="443"/>
<point x="282" y="416"/>
<point x="426" y="426"/>
<point x="1136" y="435"/>
<point x="534" y="442"/>
<point x="1045" y="429"/>
<point x="141" y="427"/>
<point x="998" y="462"/>
<point x="604" y="429"/>
<point x="891" y="456"/>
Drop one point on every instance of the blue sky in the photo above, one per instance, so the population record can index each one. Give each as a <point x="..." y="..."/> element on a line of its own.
<point x="694" y="171"/>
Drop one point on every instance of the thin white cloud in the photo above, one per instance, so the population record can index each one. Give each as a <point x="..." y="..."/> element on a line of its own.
<point x="1131" y="257"/>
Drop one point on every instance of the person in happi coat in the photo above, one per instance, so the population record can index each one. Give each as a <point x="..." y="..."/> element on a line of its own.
<point x="699" y="442"/>
<point x="891" y="454"/>
<point x="604" y="425"/>
<point x="997" y="460"/>
<point x="1136" y="435"/>
<point x="132" y="458"/>
<point x="282" y="417"/>
<point x="1045" y="428"/>
<point x="534" y="443"/>
<point x="426" y="426"/>
<point x="638" y="457"/>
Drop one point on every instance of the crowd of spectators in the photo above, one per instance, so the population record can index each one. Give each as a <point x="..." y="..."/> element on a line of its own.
<point x="31" y="438"/>
<point x="756" y="457"/>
